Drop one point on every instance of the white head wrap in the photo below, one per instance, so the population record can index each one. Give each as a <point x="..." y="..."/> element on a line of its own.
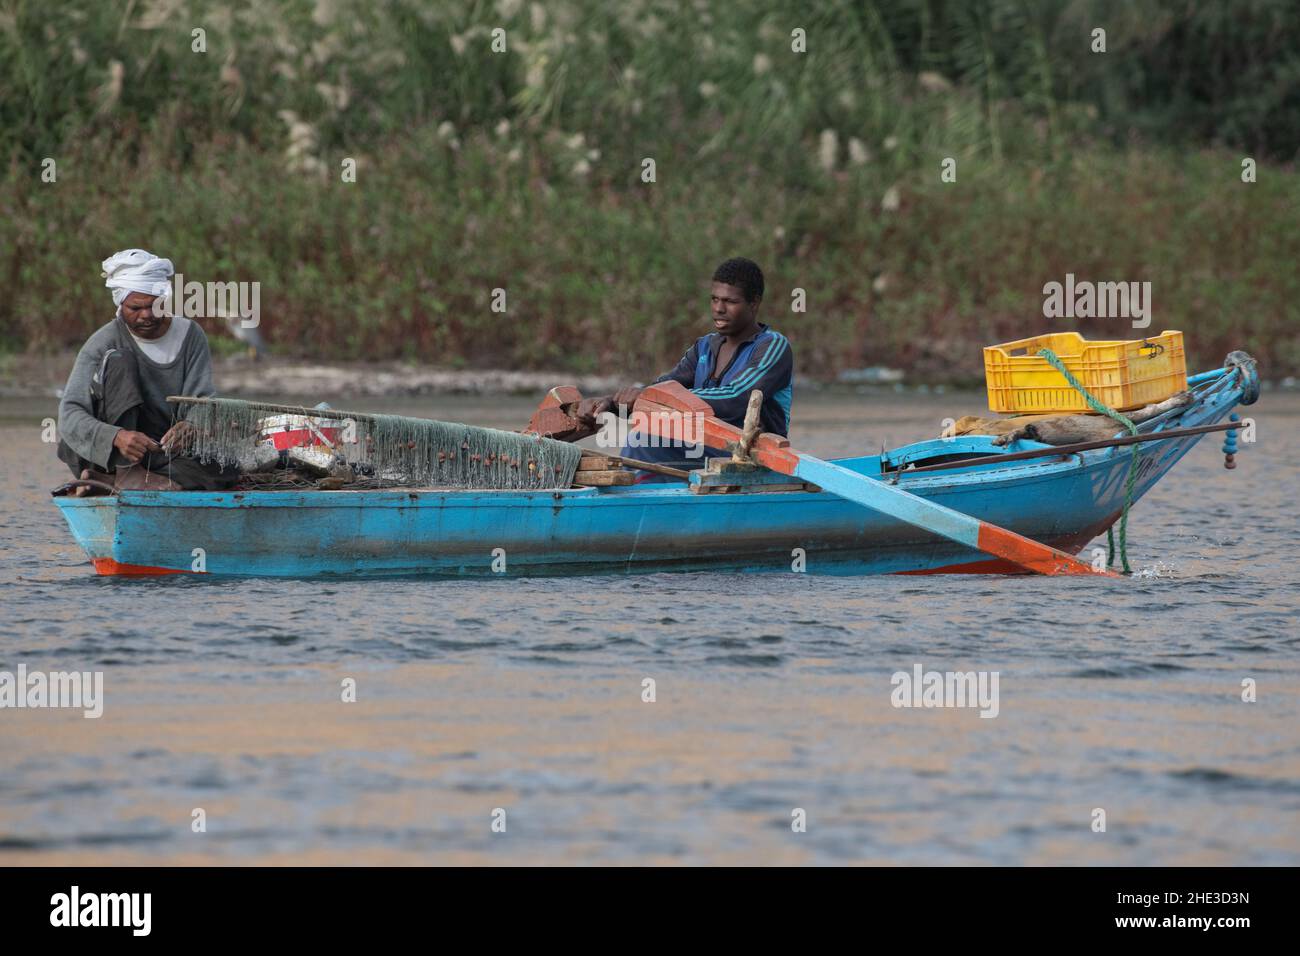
<point x="135" y="270"/>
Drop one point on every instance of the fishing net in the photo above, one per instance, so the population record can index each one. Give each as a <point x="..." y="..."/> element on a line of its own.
<point x="397" y="450"/>
<point x="290" y="479"/>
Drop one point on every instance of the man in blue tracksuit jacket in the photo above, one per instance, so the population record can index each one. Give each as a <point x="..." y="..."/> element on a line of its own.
<point x="741" y="355"/>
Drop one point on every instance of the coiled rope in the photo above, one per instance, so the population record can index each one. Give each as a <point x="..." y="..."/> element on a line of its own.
<point x="1097" y="406"/>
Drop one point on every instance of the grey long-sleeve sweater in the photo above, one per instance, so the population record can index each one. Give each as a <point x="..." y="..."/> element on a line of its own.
<point x="190" y="373"/>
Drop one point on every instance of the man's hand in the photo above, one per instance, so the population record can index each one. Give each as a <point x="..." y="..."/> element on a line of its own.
<point x="178" y="436"/>
<point x="134" y="445"/>
<point x="627" y="396"/>
<point x="589" y="408"/>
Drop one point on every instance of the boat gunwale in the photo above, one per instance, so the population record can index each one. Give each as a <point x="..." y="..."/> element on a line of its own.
<point x="1018" y="474"/>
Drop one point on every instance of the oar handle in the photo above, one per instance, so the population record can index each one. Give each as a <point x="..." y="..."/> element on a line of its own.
<point x="750" y="431"/>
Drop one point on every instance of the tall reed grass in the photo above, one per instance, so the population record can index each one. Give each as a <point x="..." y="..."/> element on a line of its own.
<point x="521" y="170"/>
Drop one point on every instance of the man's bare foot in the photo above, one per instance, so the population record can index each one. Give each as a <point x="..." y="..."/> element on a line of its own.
<point x="90" y="474"/>
<point x="139" y="478"/>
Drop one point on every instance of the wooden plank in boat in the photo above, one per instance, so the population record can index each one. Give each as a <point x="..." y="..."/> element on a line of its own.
<point x="603" y="478"/>
<point x="598" y="463"/>
<point x="723" y="476"/>
<point x="708" y="489"/>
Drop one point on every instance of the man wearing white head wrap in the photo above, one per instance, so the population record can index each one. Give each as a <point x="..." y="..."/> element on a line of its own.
<point x="115" y="423"/>
<point x="135" y="270"/>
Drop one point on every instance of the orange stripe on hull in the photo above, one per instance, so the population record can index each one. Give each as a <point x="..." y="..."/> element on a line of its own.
<point x="109" y="566"/>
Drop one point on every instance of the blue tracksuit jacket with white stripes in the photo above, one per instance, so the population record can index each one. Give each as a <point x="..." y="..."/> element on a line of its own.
<point x="764" y="361"/>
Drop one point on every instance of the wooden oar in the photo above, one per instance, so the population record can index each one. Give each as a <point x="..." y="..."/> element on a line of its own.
<point x="666" y="403"/>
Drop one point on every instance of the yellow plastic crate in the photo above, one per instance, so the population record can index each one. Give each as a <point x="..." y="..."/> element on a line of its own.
<point x="1122" y="375"/>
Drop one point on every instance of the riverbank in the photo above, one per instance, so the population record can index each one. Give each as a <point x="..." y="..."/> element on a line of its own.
<point x="43" y="376"/>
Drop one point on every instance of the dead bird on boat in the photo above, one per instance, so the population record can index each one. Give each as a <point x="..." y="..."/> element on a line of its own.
<point x="1058" y="429"/>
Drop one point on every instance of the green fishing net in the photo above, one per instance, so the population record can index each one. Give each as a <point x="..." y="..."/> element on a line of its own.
<point x="417" y="452"/>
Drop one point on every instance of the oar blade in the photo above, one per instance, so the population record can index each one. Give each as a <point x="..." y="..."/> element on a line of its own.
<point x="954" y="525"/>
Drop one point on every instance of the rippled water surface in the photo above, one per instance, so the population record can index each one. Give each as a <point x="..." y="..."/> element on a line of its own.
<point x="772" y="693"/>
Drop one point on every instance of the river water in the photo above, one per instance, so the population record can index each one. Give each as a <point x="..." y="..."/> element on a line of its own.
<point x="519" y="703"/>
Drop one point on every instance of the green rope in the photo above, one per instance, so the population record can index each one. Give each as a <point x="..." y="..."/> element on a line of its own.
<point x="1097" y="406"/>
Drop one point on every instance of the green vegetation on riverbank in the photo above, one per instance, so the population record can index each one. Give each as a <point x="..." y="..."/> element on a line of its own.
<point x="522" y="170"/>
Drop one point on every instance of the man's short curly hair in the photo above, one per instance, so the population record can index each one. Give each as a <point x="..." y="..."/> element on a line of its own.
<point x="744" y="274"/>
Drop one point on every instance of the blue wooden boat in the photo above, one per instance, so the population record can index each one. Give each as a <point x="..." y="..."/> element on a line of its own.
<point x="1065" y="500"/>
